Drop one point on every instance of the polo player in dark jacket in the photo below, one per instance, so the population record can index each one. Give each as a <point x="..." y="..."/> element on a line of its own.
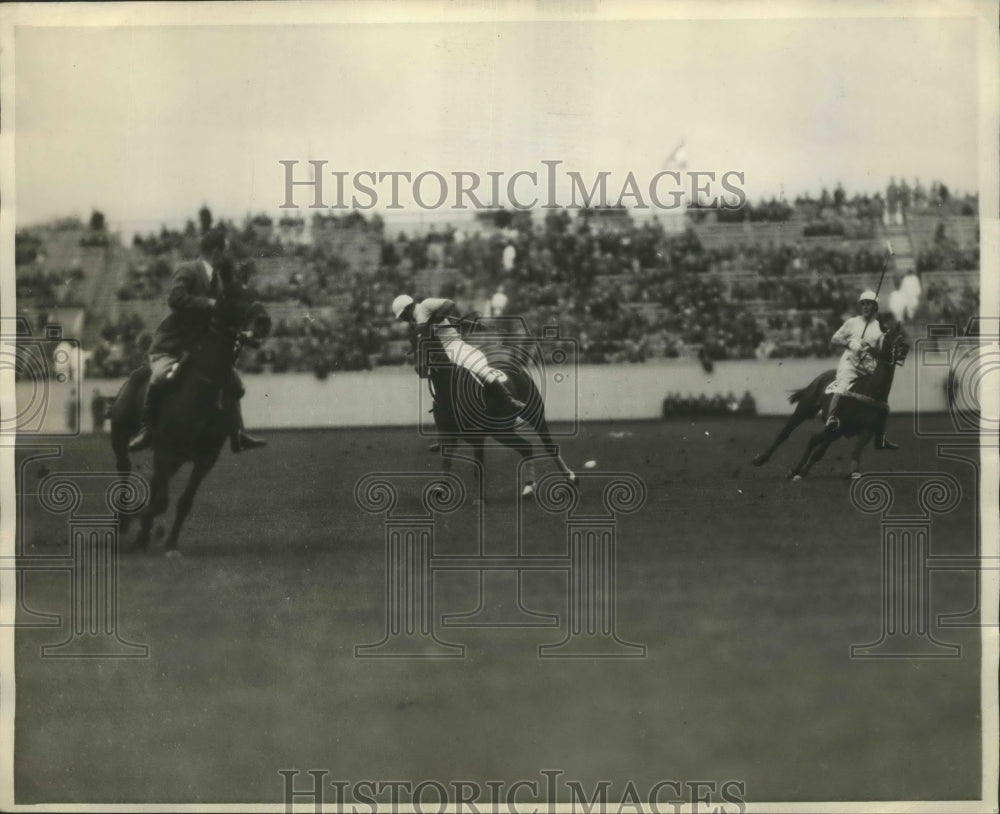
<point x="193" y="293"/>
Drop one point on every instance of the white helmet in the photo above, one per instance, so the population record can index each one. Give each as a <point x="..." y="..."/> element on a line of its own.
<point x="868" y="296"/>
<point x="399" y="304"/>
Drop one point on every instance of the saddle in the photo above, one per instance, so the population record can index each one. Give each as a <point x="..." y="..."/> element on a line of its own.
<point x="232" y="388"/>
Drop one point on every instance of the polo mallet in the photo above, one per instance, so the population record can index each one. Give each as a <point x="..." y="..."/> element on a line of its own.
<point x="889" y="254"/>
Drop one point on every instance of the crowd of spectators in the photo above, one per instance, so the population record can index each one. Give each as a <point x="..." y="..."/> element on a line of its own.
<point x="121" y="347"/>
<point x="352" y="337"/>
<point x="950" y="304"/>
<point x="625" y="291"/>
<point x="946" y="255"/>
<point x="677" y="406"/>
<point x="49" y="289"/>
<point x="902" y="199"/>
<point x="772" y="211"/>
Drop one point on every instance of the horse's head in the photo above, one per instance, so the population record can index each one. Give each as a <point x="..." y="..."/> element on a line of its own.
<point x="238" y="313"/>
<point x="238" y="319"/>
<point x="895" y="347"/>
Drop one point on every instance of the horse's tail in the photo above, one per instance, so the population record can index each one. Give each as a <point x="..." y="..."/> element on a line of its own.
<point x="812" y="392"/>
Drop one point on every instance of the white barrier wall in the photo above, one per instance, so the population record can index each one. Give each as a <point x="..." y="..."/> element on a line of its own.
<point x="396" y="397"/>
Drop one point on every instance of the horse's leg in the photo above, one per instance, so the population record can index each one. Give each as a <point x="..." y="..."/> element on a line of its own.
<point x="123" y="463"/>
<point x="124" y="424"/>
<point x="541" y="427"/>
<point x="202" y="466"/>
<point x="529" y="470"/>
<point x="446" y="445"/>
<point x="818" y="450"/>
<point x="523" y="447"/>
<point x="863" y="438"/>
<point x="164" y="468"/>
<point x="800" y="469"/>
<point x="803" y="411"/>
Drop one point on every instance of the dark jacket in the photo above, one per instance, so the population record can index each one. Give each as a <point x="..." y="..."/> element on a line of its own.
<point x="190" y="309"/>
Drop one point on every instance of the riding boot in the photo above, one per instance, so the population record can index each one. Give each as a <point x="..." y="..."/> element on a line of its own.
<point x="239" y="440"/>
<point x="144" y="438"/>
<point x="498" y="388"/>
<point x="832" y="421"/>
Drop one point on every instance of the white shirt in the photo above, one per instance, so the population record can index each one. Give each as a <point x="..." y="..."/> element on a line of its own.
<point x="423" y="310"/>
<point x="855" y="328"/>
<point x="445" y="330"/>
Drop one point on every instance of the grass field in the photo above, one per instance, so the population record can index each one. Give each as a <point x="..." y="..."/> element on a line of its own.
<point x="747" y="590"/>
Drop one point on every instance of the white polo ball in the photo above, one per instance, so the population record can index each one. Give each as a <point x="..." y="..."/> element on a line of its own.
<point x="590" y="465"/>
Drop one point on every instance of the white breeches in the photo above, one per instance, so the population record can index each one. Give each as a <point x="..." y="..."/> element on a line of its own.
<point x="848" y="372"/>
<point x="464" y="355"/>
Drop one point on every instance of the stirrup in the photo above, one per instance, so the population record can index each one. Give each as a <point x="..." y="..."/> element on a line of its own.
<point x="833" y="422"/>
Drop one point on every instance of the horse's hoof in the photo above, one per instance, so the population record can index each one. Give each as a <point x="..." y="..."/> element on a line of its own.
<point x="796" y="478"/>
<point x="855" y="475"/>
<point x="172" y="554"/>
<point x="759" y="460"/>
<point x="528" y="490"/>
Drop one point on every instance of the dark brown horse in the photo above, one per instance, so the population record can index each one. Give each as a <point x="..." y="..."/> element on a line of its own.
<point x="862" y="411"/>
<point x="464" y="410"/>
<point x="195" y="412"/>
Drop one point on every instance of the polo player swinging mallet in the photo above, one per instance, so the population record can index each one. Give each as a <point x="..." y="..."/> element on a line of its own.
<point x="441" y="317"/>
<point x="858" y="358"/>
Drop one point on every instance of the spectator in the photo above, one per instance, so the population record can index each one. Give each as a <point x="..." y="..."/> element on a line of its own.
<point x="498" y="302"/>
<point x="97" y="410"/>
<point x="748" y="405"/>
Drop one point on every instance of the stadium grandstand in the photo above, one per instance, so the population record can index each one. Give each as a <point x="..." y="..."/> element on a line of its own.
<point x="771" y="280"/>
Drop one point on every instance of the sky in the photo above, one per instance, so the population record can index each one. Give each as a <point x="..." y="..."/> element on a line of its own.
<point x="148" y="123"/>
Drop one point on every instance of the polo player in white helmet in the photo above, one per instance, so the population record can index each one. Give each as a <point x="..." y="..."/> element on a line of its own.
<point x="860" y="336"/>
<point x="437" y="314"/>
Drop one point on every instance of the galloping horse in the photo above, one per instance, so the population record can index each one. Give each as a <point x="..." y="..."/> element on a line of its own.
<point x="464" y="411"/>
<point x="862" y="410"/>
<point x="195" y="412"/>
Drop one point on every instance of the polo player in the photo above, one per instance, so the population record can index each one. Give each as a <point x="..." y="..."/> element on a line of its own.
<point x="439" y="315"/>
<point x="859" y="336"/>
<point x="196" y="287"/>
